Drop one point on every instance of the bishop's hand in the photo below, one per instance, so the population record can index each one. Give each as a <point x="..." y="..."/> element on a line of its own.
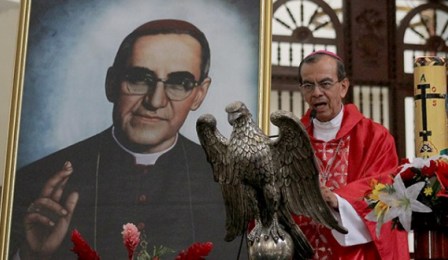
<point x="329" y="197"/>
<point x="47" y="220"/>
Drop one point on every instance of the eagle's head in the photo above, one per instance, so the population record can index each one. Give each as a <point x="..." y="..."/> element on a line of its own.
<point x="235" y="111"/>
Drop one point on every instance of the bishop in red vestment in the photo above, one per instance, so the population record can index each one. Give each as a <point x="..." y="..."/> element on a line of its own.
<point x="351" y="150"/>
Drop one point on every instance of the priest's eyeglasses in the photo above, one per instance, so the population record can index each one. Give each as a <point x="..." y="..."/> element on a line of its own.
<point x="142" y="81"/>
<point x="323" y="85"/>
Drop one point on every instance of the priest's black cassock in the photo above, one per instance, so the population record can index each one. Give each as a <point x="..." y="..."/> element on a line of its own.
<point x="175" y="201"/>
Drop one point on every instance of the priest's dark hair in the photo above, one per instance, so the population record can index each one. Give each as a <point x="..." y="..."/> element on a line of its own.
<point x="165" y="26"/>
<point x="316" y="55"/>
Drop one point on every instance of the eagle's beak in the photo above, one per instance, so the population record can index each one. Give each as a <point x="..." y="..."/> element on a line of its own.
<point x="232" y="117"/>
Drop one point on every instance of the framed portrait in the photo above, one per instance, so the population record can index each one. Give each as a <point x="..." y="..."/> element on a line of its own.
<point x="62" y="107"/>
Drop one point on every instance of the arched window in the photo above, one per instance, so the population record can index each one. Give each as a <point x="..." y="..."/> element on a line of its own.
<point x="298" y="28"/>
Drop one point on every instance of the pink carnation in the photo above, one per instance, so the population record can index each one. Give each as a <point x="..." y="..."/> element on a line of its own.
<point x="131" y="238"/>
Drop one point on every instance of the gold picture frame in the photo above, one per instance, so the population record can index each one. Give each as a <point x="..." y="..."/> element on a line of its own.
<point x="55" y="36"/>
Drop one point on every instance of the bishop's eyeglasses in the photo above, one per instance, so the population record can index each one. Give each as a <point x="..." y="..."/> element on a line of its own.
<point x="142" y="81"/>
<point x="325" y="84"/>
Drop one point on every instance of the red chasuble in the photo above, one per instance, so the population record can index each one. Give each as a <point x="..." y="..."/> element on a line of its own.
<point x="362" y="150"/>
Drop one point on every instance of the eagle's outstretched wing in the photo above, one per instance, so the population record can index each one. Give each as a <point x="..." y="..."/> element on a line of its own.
<point x="298" y="174"/>
<point x="216" y="148"/>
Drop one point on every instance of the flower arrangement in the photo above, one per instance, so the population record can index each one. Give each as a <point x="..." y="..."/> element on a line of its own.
<point x="134" y="239"/>
<point x="418" y="188"/>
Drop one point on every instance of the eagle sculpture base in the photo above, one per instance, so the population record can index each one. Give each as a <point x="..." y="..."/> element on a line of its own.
<point x="269" y="249"/>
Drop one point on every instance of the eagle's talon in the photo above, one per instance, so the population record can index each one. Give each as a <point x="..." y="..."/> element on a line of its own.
<point x="255" y="234"/>
<point x="275" y="230"/>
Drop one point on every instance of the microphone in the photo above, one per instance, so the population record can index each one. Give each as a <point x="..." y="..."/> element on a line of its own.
<point x="313" y="114"/>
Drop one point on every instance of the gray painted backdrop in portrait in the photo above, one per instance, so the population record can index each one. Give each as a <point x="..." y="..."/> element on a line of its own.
<point x="72" y="43"/>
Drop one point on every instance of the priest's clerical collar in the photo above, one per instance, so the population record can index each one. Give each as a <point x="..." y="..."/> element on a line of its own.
<point x="327" y="131"/>
<point x="143" y="158"/>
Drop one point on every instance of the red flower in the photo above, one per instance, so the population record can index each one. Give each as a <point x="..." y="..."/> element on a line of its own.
<point x="197" y="251"/>
<point x="131" y="238"/>
<point x="407" y="175"/>
<point x="404" y="161"/>
<point x="430" y="170"/>
<point x="442" y="176"/>
<point x="81" y="248"/>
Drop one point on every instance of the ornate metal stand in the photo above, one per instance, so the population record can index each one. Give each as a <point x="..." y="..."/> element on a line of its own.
<point x="268" y="249"/>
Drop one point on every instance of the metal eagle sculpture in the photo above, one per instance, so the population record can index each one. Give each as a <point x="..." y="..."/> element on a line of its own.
<point x="265" y="180"/>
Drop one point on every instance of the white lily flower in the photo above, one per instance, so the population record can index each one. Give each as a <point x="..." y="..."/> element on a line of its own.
<point x="403" y="202"/>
